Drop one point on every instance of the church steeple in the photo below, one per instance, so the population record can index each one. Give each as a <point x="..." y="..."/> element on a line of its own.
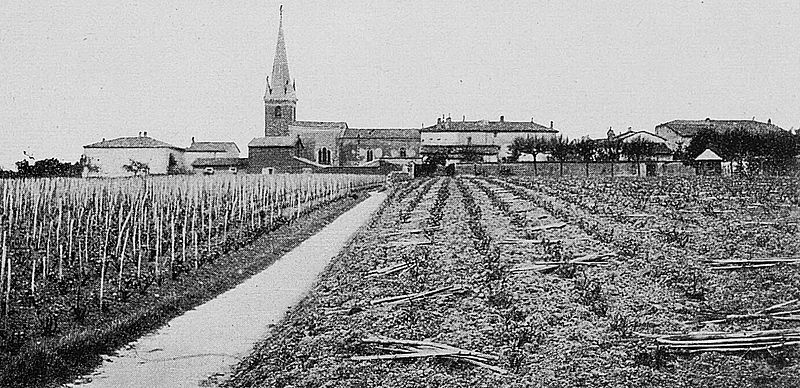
<point x="280" y="99"/>
<point x="280" y="85"/>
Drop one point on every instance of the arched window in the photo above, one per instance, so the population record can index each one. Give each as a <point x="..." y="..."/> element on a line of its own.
<point x="369" y="155"/>
<point x="324" y="156"/>
<point x="277" y="111"/>
<point x="402" y="152"/>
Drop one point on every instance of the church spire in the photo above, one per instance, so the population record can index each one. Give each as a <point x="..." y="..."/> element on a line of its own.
<point x="280" y="85"/>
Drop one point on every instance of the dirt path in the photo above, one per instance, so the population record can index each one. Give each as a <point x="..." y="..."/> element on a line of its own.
<point x="203" y="343"/>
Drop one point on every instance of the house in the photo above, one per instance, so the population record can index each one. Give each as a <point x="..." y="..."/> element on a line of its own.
<point x="680" y="132"/>
<point x="661" y="150"/>
<point x="210" y="150"/>
<point x="277" y="155"/>
<point x="479" y="137"/>
<point x="128" y="156"/>
<point x="358" y="146"/>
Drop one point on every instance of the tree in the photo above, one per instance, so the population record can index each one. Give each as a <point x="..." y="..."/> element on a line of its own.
<point x="560" y="149"/>
<point x="637" y="150"/>
<point x="585" y="149"/>
<point x="137" y="168"/>
<point x="44" y="168"/>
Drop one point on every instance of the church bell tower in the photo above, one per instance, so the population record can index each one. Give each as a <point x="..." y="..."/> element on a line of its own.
<point x="280" y="99"/>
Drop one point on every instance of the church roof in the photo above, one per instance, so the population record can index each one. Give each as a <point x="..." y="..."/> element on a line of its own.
<point x="689" y="128"/>
<point x="274" y="141"/>
<point x="381" y="133"/>
<point x="281" y="86"/>
<point x="213" y="146"/>
<point x="131" y="142"/>
<point x="488" y="126"/>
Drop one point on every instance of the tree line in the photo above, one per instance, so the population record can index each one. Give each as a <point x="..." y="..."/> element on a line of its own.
<point x="44" y="168"/>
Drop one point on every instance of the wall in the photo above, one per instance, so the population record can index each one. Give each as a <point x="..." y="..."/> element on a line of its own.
<point x="315" y="139"/>
<point x="577" y="169"/>
<point x="110" y="160"/>
<point x="671" y="136"/>
<point x="353" y="152"/>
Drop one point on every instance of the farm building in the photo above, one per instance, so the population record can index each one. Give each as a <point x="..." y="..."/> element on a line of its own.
<point x="478" y="137"/>
<point x="210" y="150"/>
<point x="278" y="154"/>
<point x="127" y="156"/>
<point x="661" y="151"/>
<point x="680" y="132"/>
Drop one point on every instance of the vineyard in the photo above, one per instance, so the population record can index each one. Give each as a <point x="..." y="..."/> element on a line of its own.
<point x="78" y="256"/>
<point x="472" y="281"/>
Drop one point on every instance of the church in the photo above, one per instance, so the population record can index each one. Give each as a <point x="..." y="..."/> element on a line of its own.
<point x="291" y="145"/>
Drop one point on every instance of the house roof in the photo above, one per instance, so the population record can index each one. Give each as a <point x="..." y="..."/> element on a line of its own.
<point x="689" y="128"/>
<point x="631" y="135"/>
<point x="274" y="141"/>
<point x="381" y="133"/>
<point x="488" y="126"/>
<point x="213" y="146"/>
<point x="457" y="149"/>
<point x="319" y="124"/>
<point x="132" y="142"/>
<point x="708" y="155"/>
<point x="219" y="162"/>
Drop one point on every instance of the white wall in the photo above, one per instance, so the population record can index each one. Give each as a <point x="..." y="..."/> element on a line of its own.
<point x="110" y="160"/>
<point x="502" y="139"/>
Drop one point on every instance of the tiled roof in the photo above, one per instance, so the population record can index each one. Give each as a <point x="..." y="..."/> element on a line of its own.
<point x="274" y="141"/>
<point x="319" y="124"/>
<point x="381" y="133"/>
<point x="131" y="142"/>
<point x="219" y="162"/>
<point x="213" y="146"/>
<point x="489" y="126"/>
<point x="457" y="149"/>
<point x="689" y="128"/>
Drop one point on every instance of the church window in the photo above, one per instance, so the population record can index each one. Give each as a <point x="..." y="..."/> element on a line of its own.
<point x="402" y="152"/>
<point x="369" y="155"/>
<point x="277" y="111"/>
<point x="324" y="156"/>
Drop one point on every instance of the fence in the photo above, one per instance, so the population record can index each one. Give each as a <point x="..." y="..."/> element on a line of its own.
<point x="577" y="169"/>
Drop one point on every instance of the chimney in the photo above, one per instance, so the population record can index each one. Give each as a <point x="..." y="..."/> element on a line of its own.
<point x="192" y="139"/>
<point x="551" y="124"/>
<point x="140" y="133"/>
<point x="104" y="139"/>
<point x="531" y="119"/>
<point x="769" y="121"/>
<point x="145" y="133"/>
<point x="448" y="119"/>
<point x="502" y="119"/>
<point x="463" y="118"/>
<point x="438" y="120"/>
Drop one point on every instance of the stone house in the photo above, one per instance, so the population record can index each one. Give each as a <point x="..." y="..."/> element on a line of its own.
<point x="277" y="155"/>
<point x="680" y="132"/>
<point x="479" y="137"/>
<point x="108" y="158"/>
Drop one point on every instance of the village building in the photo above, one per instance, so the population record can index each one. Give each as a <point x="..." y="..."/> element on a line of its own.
<point x="278" y="155"/>
<point x="360" y="146"/>
<point x="484" y="140"/>
<point x="680" y="132"/>
<point x="214" y="157"/>
<point x="661" y="150"/>
<point x="127" y="156"/>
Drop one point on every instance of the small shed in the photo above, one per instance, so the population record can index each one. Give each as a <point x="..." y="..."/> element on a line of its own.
<point x="708" y="163"/>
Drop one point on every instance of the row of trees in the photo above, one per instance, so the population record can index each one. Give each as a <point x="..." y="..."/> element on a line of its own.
<point x="562" y="149"/>
<point x="741" y="145"/>
<point x="44" y="168"/>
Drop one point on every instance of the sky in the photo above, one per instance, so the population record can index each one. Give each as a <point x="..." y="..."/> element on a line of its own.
<point x="75" y="71"/>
